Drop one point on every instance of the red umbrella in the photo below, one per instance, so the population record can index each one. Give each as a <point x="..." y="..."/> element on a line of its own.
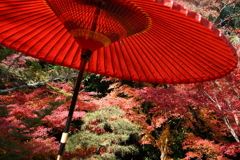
<point x="155" y="41"/>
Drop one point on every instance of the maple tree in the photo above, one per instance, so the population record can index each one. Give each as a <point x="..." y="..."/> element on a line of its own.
<point x="176" y="121"/>
<point x="184" y="113"/>
<point x="33" y="116"/>
<point x="23" y="129"/>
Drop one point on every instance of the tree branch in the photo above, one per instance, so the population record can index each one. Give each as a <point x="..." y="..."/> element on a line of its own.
<point x="42" y="83"/>
<point x="224" y="117"/>
<point x="14" y="62"/>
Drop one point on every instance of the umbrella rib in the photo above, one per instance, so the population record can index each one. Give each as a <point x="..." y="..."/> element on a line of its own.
<point x="62" y="48"/>
<point x="151" y="52"/>
<point x="209" y="46"/>
<point x="77" y="56"/>
<point x="105" y="57"/>
<point x="59" y="26"/>
<point x="125" y="62"/>
<point x="117" y="45"/>
<point x="113" y="59"/>
<point x="27" y="13"/>
<point x="53" y="46"/>
<point x="184" y="27"/>
<point x="16" y="5"/>
<point x="40" y="41"/>
<point x="176" y="44"/>
<point x="165" y="11"/>
<point x="23" y="18"/>
<point x="110" y="57"/>
<point x="186" y="55"/>
<point x="23" y="2"/>
<point x="162" y="49"/>
<point x="9" y="4"/>
<point x="126" y="14"/>
<point x="192" y="40"/>
<point x="168" y="57"/>
<point x="124" y="47"/>
<point x="132" y="51"/>
<point x="66" y="55"/>
<point x="19" y="20"/>
<point x="120" y="57"/>
<point x="39" y="11"/>
<point x="25" y="29"/>
<point x="93" y="62"/>
<point x="32" y="46"/>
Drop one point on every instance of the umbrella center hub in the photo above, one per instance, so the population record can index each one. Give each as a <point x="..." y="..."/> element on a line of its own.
<point x="98" y="23"/>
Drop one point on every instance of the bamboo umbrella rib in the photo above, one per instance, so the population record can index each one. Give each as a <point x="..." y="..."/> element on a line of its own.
<point x="143" y="70"/>
<point x="131" y="48"/>
<point x="56" y="42"/>
<point x="193" y="37"/>
<point x="95" y="61"/>
<point x="121" y="61"/>
<point x="76" y="59"/>
<point x="40" y="43"/>
<point x="181" y="62"/>
<point x="108" y="60"/>
<point x="50" y="42"/>
<point x="109" y="66"/>
<point x="127" y="55"/>
<point x="175" y="50"/>
<point x="169" y="61"/>
<point x="146" y="60"/>
<point x="178" y="9"/>
<point x="118" y="72"/>
<point x="174" y="22"/>
<point x="218" y="60"/>
<point x="24" y="31"/>
<point x="124" y="61"/>
<point x="156" y="59"/>
<point x="72" y="47"/>
<point x="63" y="50"/>
<point x="158" y="64"/>
<point x="183" y="54"/>
<point x="183" y="45"/>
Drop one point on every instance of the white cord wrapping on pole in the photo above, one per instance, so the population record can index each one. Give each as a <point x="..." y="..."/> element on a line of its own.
<point x="64" y="137"/>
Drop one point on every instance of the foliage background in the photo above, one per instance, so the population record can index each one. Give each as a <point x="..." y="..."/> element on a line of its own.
<point x="121" y="119"/>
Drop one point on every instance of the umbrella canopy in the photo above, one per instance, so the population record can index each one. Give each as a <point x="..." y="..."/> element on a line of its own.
<point x="154" y="41"/>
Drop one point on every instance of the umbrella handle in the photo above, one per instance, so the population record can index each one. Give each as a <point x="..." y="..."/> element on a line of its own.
<point x="85" y="56"/>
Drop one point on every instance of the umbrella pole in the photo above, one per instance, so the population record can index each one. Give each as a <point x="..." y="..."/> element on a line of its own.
<point x="85" y="56"/>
